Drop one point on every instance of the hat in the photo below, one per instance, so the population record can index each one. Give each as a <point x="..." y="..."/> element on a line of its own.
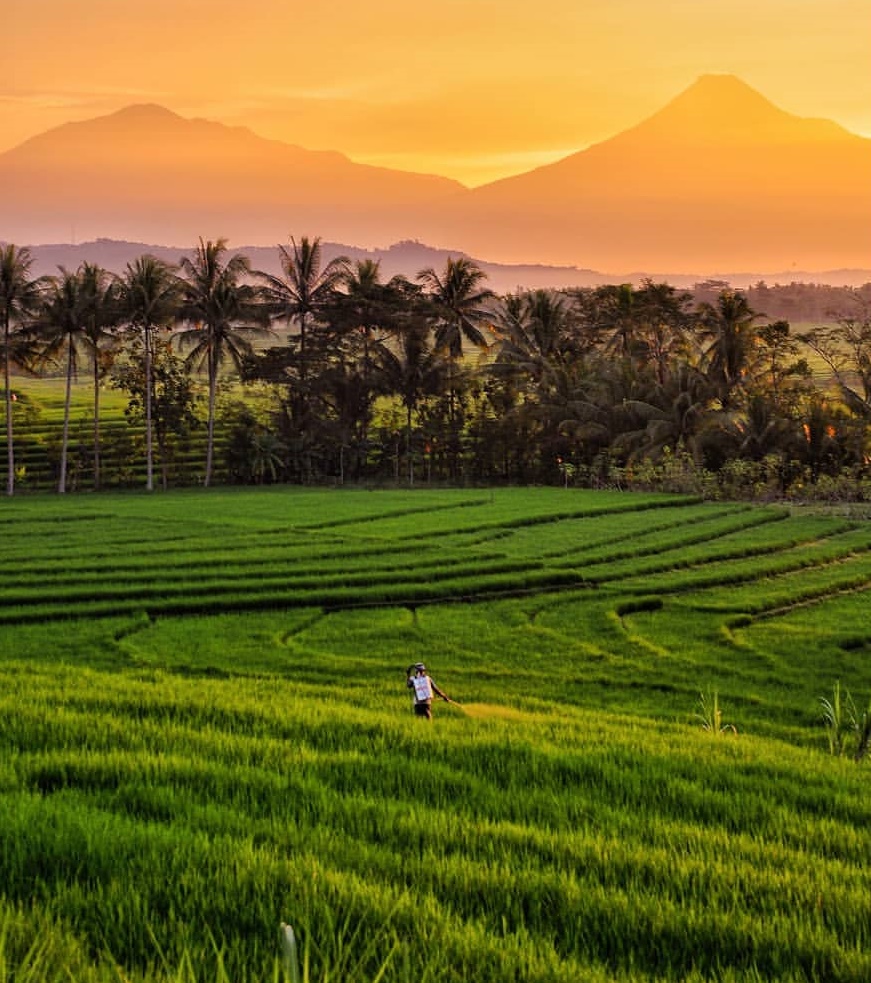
<point x="420" y="667"/>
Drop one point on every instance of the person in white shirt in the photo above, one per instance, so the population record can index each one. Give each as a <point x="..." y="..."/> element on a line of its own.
<point x="423" y="689"/>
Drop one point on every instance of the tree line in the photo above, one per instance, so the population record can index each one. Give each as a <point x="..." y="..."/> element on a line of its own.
<point x="437" y="378"/>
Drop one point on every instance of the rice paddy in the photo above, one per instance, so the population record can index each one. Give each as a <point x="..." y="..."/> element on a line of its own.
<point x="205" y="732"/>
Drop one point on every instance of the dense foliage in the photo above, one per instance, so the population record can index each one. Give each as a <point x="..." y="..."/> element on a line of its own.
<point x="438" y="379"/>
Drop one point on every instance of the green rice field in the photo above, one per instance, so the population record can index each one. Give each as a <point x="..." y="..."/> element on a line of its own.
<point x="205" y="732"/>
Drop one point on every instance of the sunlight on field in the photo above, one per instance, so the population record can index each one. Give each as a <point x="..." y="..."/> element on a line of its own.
<point x="487" y="711"/>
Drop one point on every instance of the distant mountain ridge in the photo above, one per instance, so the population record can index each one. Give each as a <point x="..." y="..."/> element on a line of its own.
<point x="718" y="179"/>
<point x="409" y="257"/>
<point x="401" y="258"/>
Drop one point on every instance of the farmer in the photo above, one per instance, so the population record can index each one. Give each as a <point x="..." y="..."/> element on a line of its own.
<point x="423" y="688"/>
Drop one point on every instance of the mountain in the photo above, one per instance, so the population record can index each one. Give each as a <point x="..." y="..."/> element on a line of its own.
<point x="718" y="179"/>
<point x="146" y="173"/>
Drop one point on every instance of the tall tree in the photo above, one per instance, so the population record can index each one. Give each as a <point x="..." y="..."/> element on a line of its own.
<point x="367" y="306"/>
<point x="19" y="295"/>
<point x="459" y="301"/>
<point x="300" y="296"/>
<point x="664" y="321"/>
<point x="149" y="300"/>
<point x="60" y="326"/>
<point x="301" y="293"/>
<point x="845" y="347"/>
<point x="619" y="317"/>
<point x="367" y="314"/>
<point x="783" y="376"/>
<point x="532" y="344"/>
<point x="532" y="330"/>
<point x="223" y="315"/>
<point x="460" y="305"/>
<point x="729" y="326"/>
<point x="412" y="369"/>
<point x="172" y="393"/>
<point x="100" y="314"/>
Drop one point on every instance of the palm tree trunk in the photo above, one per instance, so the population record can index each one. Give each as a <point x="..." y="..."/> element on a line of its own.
<point x="303" y="424"/>
<point x="213" y="385"/>
<point x="62" y="481"/>
<point x="96" y="422"/>
<point x="367" y="373"/>
<point x="163" y="450"/>
<point x="149" y="440"/>
<point x="302" y="365"/>
<point x="452" y="415"/>
<point x="10" y="453"/>
<point x="408" y="446"/>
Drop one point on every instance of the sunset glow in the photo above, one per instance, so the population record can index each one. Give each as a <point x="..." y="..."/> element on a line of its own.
<point x="469" y="89"/>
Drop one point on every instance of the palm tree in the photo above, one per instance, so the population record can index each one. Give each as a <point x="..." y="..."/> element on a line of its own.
<point x="60" y="325"/>
<point x="223" y="315"/>
<point x="459" y="303"/>
<point x="149" y="299"/>
<point x="729" y="325"/>
<point x="100" y="315"/>
<point x="580" y="406"/>
<point x="528" y="335"/>
<point x="532" y="330"/>
<point x="618" y="310"/>
<point x="18" y="299"/>
<point x="367" y="313"/>
<point x="820" y="449"/>
<point x="760" y="429"/>
<point x="674" y="414"/>
<point x="413" y="370"/>
<point x="363" y="290"/>
<point x="664" y="320"/>
<point x="365" y="305"/>
<point x="304" y="289"/>
<point x="299" y="296"/>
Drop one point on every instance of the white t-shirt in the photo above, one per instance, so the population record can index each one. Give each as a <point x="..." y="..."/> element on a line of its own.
<point x="422" y="689"/>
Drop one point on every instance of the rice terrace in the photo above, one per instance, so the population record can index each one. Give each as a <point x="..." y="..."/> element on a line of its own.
<point x="654" y="772"/>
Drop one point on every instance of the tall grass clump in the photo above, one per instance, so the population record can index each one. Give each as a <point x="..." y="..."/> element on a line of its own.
<point x="834" y="720"/>
<point x="711" y="715"/>
<point x="860" y="722"/>
<point x="848" y="729"/>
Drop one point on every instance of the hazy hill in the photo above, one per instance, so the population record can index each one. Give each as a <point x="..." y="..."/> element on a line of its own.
<point x="406" y="258"/>
<point x="409" y="257"/>
<point x="146" y="173"/>
<point x="718" y="179"/>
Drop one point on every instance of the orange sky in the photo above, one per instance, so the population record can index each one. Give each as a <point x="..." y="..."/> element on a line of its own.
<point x="471" y="89"/>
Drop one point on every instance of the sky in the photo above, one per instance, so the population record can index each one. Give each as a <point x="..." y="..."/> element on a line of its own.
<point x="469" y="89"/>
